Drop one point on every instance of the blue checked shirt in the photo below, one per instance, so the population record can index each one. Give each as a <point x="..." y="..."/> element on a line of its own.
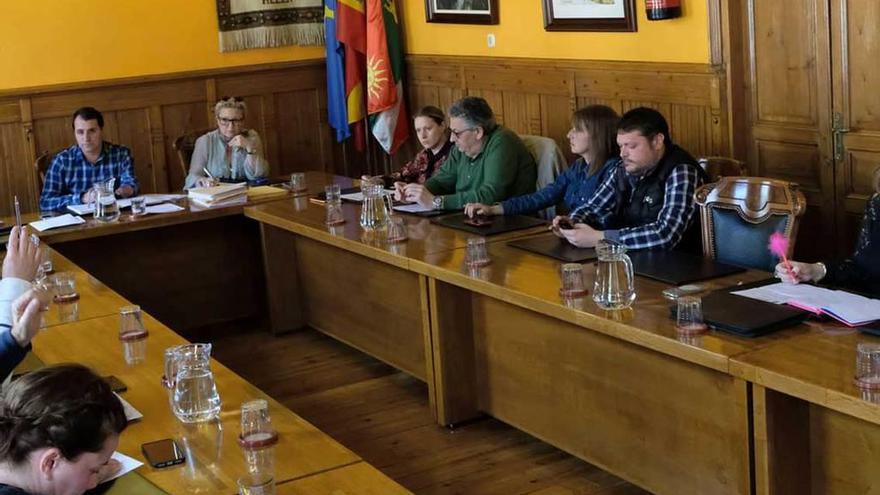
<point x="71" y="175"/>
<point x="572" y="188"/>
<point x="674" y="219"/>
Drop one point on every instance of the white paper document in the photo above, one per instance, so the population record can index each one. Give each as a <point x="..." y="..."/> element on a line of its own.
<point x="56" y="222"/>
<point x="847" y="307"/>
<point x="131" y="414"/>
<point x="413" y="208"/>
<point x="151" y="199"/>
<point x="164" y="208"/>
<point x="129" y="464"/>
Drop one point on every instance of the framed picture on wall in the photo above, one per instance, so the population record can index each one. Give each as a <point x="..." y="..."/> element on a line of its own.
<point x="589" y="15"/>
<point x="462" y="11"/>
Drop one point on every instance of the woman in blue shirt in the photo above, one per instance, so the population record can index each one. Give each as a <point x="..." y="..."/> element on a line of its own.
<point x="593" y="136"/>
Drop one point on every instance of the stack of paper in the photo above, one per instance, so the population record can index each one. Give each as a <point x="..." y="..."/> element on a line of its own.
<point x="151" y="199"/>
<point x="849" y="308"/>
<point x="222" y="195"/>
<point x="55" y="222"/>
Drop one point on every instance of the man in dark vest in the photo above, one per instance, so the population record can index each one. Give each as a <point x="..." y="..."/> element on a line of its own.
<point x="648" y="200"/>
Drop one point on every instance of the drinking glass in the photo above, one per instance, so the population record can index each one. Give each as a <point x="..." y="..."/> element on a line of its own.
<point x="572" y="280"/>
<point x="256" y="484"/>
<point x="132" y="334"/>
<point x="868" y="365"/>
<point x="298" y="183"/>
<point x="397" y="230"/>
<point x="64" y="284"/>
<point x="689" y="315"/>
<point x="334" y="205"/>
<point x="258" y="437"/>
<point x="138" y="206"/>
<point x="477" y="254"/>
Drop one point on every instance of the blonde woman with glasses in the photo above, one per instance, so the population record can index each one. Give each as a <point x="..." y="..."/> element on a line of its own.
<point x="231" y="153"/>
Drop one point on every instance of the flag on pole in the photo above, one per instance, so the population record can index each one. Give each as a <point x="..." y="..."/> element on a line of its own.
<point x="351" y="32"/>
<point x="385" y="99"/>
<point x="337" y="112"/>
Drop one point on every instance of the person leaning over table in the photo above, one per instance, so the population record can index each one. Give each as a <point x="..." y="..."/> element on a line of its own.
<point x="74" y="171"/>
<point x="861" y="271"/>
<point x="593" y="137"/>
<point x="647" y="201"/>
<point x="19" y="304"/>
<point x="489" y="163"/>
<point x="229" y="152"/>
<point x="433" y="134"/>
<point x="59" y="427"/>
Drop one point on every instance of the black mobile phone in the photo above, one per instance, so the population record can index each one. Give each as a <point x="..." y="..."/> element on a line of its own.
<point x="565" y="223"/>
<point x="163" y="453"/>
<point x="116" y="384"/>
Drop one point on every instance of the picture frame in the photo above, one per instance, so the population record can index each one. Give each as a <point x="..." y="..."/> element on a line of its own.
<point x="462" y="11"/>
<point x="589" y="15"/>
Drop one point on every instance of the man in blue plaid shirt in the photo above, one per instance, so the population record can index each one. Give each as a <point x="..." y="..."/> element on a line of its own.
<point x="75" y="170"/>
<point x="647" y="201"/>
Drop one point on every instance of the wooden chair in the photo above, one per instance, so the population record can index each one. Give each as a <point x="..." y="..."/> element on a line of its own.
<point x="184" y="146"/>
<point x="41" y="167"/>
<point x="738" y="214"/>
<point x="550" y="162"/>
<point x="717" y="167"/>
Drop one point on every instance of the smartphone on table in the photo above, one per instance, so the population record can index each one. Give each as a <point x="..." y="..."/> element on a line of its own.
<point x="163" y="453"/>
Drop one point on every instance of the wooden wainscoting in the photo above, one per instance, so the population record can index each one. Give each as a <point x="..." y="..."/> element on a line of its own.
<point x="286" y="105"/>
<point x="537" y="96"/>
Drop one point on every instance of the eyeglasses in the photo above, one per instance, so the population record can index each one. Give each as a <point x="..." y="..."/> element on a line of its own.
<point x="459" y="133"/>
<point x="228" y="121"/>
<point x="231" y="98"/>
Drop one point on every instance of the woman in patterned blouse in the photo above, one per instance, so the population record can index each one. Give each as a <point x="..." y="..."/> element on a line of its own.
<point x="593" y="137"/>
<point x="433" y="134"/>
<point x="861" y="271"/>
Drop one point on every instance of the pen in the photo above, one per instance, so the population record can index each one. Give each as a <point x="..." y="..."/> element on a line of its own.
<point x="17" y="212"/>
<point x="208" y="173"/>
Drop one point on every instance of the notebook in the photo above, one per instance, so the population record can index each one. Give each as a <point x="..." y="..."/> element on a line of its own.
<point x="500" y="224"/>
<point x="851" y="309"/>
<point x="728" y="312"/>
<point x="418" y="210"/>
<point x="550" y="245"/>
<point x="677" y="267"/>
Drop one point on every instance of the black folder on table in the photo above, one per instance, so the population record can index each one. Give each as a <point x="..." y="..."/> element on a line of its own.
<point x="550" y="245"/>
<point x="500" y="224"/>
<point x="745" y="316"/>
<point x="321" y="197"/>
<point x="677" y="267"/>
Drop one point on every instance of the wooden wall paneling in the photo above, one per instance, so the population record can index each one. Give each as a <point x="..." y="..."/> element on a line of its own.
<point x="123" y="97"/>
<point x="15" y="171"/>
<point x="30" y="150"/>
<point x="556" y="120"/>
<point x="177" y="120"/>
<point x="52" y="134"/>
<point x="270" y="133"/>
<point x="299" y="125"/>
<point x="781" y="443"/>
<point x="132" y="129"/>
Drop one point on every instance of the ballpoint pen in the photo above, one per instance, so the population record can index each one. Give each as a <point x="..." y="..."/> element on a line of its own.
<point x="17" y="212"/>
<point x="208" y="173"/>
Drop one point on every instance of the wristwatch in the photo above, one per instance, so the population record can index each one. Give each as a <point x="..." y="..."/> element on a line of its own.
<point x="437" y="202"/>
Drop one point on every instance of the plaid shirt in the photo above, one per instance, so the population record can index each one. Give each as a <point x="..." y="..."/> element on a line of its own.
<point x="672" y="222"/>
<point x="71" y="175"/>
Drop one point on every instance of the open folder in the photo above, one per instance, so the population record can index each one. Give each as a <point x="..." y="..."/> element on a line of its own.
<point x="851" y="309"/>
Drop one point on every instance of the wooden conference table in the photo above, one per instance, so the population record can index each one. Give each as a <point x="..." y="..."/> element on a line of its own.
<point x="707" y="414"/>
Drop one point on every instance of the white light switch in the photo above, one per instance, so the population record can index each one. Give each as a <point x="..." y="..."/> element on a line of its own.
<point x="490" y="40"/>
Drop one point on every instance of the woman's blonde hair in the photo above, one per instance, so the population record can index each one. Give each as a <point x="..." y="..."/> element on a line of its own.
<point x="233" y="102"/>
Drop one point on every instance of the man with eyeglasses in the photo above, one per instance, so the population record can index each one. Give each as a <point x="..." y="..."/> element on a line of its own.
<point x="230" y="153"/>
<point x="490" y="162"/>
<point x="75" y="170"/>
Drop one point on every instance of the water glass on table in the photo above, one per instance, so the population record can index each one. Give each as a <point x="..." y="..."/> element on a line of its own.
<point x="132" y="334"/>
<point x="138" y="206"/>
<point x="868" y="366"/>
<point x="572" y="280"/>
<point x="298" y="184"/>
<point x="258" y="437"/>
<point x="64" y="284"/>
<point x="334" y="205"/>
<point x="689" y="318"/>
<point x="256" y="484"/>
<point x="397" y="230"/>
<point x="477" y="254"/>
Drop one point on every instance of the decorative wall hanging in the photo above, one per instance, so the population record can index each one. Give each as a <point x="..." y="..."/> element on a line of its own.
<point x="266" y="23"/>
<point x="462" y="11"/>
<point x="589" y="15"/>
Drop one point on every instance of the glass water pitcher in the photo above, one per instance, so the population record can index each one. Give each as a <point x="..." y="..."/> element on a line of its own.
<point x="376" y="208"/>
<point x="194" y="396"/>
<point x="106" y="207"/>
<point x="614" y="277"/>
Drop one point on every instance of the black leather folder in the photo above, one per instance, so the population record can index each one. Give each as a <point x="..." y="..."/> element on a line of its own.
<point x="500" y="224"/>
<point x="748" y="317"/>
<point x="677" y="267"/>
<point x="550" y="245"/>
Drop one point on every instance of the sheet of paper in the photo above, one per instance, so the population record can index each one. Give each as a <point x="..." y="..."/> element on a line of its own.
<point x="412" y="208"/>
<point x="164" y="208"/>
<point x="845" y="306"/>
<point x="56" y="222"/>
<point x="86" y="209"/>
<point x="131" y="414"/>
<point x="129" y="464"/>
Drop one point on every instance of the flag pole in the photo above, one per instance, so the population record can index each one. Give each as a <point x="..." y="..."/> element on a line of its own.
<point x="370" y="165"/>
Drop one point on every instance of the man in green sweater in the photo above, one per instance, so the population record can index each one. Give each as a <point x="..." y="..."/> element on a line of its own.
<point x="490" y="162"/>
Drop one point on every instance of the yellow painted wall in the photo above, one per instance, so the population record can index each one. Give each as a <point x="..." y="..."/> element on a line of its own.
<point x="46" y="42"/>
<point x="520" y="33"/>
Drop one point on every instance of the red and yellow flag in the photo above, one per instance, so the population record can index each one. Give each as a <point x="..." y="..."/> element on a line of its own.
<point x="385" y="101"/>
